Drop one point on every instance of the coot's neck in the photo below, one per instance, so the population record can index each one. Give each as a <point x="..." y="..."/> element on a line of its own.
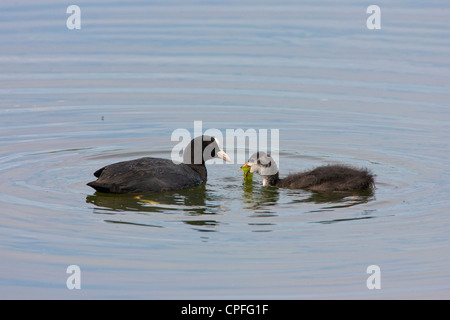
<point x="200" y="168"/>
<point x="193" y="158"/>
<point x="271" y="180"/>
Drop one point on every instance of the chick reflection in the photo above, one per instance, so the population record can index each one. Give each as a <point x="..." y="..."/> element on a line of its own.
<point x="339" y="199"/>
<point x="257" y="197"/>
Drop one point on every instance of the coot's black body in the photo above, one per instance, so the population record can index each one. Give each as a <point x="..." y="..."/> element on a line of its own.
<point x="150" y="175"/>
<point x="147" y="175"/>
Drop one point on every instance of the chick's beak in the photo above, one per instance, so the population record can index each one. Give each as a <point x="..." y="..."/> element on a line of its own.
<point x="245" y="165"/>
<point x="222" y="155"/>
<point x="246" y="173"/>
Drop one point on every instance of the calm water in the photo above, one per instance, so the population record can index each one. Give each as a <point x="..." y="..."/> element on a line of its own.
<point x="75" y="100"/>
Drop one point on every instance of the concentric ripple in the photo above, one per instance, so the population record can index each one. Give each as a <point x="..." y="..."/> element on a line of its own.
<point x="74" y="101"/>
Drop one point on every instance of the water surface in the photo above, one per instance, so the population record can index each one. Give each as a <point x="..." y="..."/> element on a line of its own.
<point x="75" y="100"/>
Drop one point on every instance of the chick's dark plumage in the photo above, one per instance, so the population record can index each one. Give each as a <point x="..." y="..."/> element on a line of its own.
<point x="323" y="179"/>
<point x="329" y="178"/>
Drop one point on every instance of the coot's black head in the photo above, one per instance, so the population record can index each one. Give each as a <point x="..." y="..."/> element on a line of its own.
<point x="203" y="148"/>
<point x="264" y="165"/>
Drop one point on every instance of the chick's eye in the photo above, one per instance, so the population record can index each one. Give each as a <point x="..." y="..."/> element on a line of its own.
<point x="213" y="153"/>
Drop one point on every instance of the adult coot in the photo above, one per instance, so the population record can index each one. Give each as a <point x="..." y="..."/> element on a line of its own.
<point x="323" y="179"/>
<point x="150" y="175"/>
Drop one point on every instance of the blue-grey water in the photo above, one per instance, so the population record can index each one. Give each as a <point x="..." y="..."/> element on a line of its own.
<point x="72" y="101"/>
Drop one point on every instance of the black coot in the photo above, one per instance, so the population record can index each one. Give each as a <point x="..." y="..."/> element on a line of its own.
<point x="150" y="175"/>
<point x="323" y="179"/>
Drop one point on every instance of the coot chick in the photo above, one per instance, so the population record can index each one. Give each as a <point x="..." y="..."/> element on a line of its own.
<point x="151" y="175"/>
<point x="323" y="179"/>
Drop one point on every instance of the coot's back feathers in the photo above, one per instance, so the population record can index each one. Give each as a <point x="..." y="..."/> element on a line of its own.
<point x="146" y="175"/>
<point x="98" y="172"/>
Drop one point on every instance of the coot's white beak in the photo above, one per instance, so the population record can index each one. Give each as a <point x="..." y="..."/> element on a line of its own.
<point x="222" y="155"/>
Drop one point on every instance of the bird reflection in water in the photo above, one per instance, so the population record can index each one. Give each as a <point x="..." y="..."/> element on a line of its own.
<point x="195" y="202"/>
<point x="262" y="199"/>
<point x="339" y="199"/>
